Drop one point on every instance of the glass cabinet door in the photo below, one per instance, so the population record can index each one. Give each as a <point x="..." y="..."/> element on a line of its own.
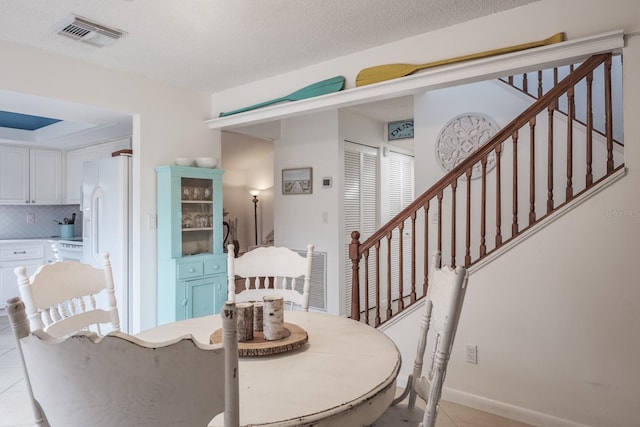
<point x="197" y="216"/>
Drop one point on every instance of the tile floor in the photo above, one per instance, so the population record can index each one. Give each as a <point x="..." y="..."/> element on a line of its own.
<point x="15" y="409"/>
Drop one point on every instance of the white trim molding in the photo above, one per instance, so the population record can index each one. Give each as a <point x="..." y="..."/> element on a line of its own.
<point x="517" y="413"/>
<point x="549" y="56"/>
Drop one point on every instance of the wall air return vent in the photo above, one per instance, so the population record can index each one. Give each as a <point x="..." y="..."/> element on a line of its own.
<point x="86" y="31"/>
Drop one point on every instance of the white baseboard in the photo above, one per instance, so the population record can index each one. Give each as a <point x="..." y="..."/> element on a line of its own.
<point x="506" y="410"/>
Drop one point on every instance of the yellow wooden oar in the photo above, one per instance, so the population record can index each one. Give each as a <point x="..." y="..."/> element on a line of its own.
<point x="381" y="73"/>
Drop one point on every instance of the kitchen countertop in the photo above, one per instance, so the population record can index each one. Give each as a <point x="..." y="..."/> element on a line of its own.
<point x="42" y="239"/>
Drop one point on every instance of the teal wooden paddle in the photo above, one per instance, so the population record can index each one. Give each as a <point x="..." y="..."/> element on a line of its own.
<point x="324" y="87"/>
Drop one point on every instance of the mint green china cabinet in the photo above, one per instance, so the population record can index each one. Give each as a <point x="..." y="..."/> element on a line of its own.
<point x="192" y="266"/>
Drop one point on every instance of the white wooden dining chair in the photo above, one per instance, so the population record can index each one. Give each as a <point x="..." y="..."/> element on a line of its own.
<point x="119" y="380"/>
<point x="65" y="297"/>
<point x="443" y="305"/>
<point x="261" y="265"/>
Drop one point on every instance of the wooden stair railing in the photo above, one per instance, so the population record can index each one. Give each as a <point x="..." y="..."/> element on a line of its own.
<point x="522" y="85"/>
<point x="465" y="236"/>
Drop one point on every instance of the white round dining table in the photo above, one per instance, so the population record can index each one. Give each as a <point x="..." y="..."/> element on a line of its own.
<point x="344" y="376"/>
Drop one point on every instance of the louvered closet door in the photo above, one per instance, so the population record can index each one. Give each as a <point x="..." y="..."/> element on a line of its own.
<point x="401" y="194"/>
<point x="360" y="209"/>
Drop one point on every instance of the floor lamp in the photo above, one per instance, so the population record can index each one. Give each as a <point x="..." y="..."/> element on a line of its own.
<point x="255" y="193"/>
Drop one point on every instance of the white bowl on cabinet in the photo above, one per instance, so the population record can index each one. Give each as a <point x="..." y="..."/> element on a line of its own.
<point x="184" y="161"/>
<point x="206" y="162"/>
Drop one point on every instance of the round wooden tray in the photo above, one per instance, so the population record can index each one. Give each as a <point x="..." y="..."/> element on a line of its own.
<point x="258" y="346"/>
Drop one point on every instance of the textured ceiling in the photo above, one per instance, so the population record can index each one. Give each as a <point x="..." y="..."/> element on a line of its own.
<point x="210" y="45"/>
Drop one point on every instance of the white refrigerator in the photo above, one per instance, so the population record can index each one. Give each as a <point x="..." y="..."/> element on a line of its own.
<point x="106" y="219"/>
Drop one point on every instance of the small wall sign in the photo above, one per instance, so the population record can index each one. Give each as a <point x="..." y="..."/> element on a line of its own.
<point x="401" y="129"/>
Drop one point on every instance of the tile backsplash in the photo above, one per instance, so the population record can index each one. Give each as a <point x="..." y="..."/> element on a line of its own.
<point x="13" y="220"/>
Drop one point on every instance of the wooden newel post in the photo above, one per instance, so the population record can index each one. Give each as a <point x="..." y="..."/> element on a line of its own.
<point x="354" y="256"/>
<point x="231" y="380"/>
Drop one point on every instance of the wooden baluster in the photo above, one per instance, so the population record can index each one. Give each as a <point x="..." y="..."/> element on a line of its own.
<point x="540" y="88"/>
<point x="454" y="186"/>
<point x="425" y="254"/>
<point x="555" y="83"/>
<point x="413" y="257"/>
<point x="467" y="256"/>
<point x="483" y="209"/>
<point x="514" y="222"/>
<point x="366" y="286"/>
<point x="498" y="151"/>
<point x="377" y="283"/>
<point x="532" y="170"/>
<point x="511" y="80"/>
<point x="354" y="256"/>
<point x="389" y="311"/>
<point x="400" y="267"/>
<point x="608" y="112"/>
<point x="550" y="161"/>
<point x="589" y="172"/>
<point x="571" y="105"/>
<point x="440" y="221"/>
<point x="525" y="84"/>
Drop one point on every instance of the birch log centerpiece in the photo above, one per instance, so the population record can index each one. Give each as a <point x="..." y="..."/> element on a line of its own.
<point x="257" y="316"/>
<point x="273" y="321"/>
<point x="245" y="321"/>
<point x="275" y="337"/>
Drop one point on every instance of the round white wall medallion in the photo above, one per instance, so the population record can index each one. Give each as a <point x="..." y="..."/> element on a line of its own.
<point x="460" y="137"/>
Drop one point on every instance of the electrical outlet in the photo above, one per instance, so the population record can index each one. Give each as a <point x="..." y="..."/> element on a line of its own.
<point x="152" y="221"/>
<point x="31" y="218"/>
<point x="471" y="353"/>
<point x="434" y="217"/>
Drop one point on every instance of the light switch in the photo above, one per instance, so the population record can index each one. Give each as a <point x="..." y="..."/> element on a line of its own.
<point x="151" y="221"/>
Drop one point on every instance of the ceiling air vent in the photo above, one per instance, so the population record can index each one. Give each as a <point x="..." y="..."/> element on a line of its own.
<point x="89" y="32"/>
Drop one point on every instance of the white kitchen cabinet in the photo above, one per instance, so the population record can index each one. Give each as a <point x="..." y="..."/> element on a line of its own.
<point x="14" y="175"/>
<point x="29" y="255"/>
<point x="45" y="177"/>
<point x="76" y="158"/>
<point x="30" y="176"/>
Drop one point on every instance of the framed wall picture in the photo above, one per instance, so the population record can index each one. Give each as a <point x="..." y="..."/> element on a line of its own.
<point x="297" y="181"/>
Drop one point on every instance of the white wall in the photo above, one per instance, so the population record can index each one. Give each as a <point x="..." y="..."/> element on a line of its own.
<point x="168" y="123"/>
<point x="310" y="141"/>
<point x="556" y="319"/>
